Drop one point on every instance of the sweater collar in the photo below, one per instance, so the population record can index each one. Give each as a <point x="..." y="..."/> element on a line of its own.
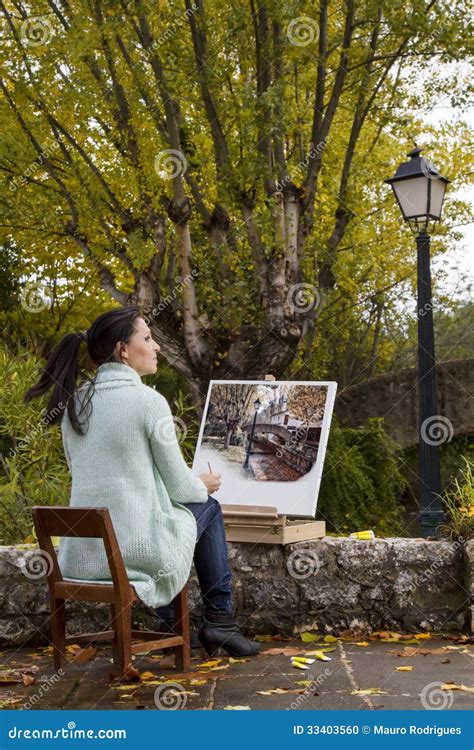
<point x="116" y="371"/>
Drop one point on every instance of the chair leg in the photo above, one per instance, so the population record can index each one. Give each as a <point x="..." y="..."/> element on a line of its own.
<point x="122" y="643"/>
<point x="58" y="632"/>
<point x="181" y="619"/>
<point x="115" y="650"/>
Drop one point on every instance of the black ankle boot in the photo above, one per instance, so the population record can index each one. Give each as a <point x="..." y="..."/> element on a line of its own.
<point x="219" y="630"/>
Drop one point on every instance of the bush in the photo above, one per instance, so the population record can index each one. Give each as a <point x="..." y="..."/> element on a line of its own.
<point x="459" y="503"/>
<point x="33" y="468"/>
<point x="362" y="481"/>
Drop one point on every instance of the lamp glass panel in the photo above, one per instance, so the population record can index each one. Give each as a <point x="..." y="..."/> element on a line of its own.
<point x="412" y="195"/>
<point x="437" y="194"/>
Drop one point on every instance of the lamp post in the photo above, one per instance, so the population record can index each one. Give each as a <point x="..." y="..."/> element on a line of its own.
<point x="419" y="189"/>
<point x="256" y="404"/>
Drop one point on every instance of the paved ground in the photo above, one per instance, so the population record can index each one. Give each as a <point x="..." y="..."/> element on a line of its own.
<point x="352" y="667"/>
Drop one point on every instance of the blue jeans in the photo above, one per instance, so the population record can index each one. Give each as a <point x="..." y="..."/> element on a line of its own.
<point x="210" y="559"/>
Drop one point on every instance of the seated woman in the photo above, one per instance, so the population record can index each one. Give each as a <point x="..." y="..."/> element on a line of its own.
<point x="120" y="444"/>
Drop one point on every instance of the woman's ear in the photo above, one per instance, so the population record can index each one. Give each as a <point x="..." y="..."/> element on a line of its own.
<point x="120" y="351"/>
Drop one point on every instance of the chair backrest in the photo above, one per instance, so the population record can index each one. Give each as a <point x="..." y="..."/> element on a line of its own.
<point x="78" y="522"/>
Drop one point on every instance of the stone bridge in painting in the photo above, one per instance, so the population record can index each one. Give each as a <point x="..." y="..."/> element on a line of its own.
<point x="268" y="427"/>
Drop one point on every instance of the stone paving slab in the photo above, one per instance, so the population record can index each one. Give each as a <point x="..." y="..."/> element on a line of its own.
<point x="87" y="685"/>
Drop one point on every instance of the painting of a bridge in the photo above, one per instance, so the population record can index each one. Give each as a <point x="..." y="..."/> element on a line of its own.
<point x="267" y="439"/>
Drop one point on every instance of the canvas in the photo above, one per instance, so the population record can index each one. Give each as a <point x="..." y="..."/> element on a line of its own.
<point x="268" y="441"/>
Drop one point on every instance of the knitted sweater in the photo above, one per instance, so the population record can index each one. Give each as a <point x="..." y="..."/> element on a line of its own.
<point x="129" y="460"/>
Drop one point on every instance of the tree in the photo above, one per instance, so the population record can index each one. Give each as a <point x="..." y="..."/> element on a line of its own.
<point x="229" y="404"/>
<point x="211" y="179"/>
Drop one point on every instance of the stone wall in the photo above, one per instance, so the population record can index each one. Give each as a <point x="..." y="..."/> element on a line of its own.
<point x="394" y="396"/>
<point x="328" y="585"/>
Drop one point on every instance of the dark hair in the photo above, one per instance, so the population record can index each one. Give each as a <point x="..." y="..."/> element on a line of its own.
<point x="62" y="368"/>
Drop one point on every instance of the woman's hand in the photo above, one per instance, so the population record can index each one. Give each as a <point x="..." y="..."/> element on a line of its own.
<point x="212" y="480"/>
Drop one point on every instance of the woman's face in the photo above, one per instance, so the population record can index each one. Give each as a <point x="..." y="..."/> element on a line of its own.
<point x="140" y="351"/>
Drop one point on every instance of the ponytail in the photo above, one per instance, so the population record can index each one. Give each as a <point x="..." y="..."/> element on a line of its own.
<point x="62" y="368"/>
<point x="60" y="373"/>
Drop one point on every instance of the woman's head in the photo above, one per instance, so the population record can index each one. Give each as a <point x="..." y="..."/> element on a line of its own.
<point x="120" y="335"/>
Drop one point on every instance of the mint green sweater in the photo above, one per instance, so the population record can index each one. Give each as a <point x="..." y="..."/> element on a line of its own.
<point x="130" y="461"/>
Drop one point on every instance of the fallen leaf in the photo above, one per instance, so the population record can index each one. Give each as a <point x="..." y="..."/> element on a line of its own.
<point x="403" y="669"/>
<point x="84" y="654"/>
<point x="284" y="651"/>
<point x="197" y="682"/>
<point x="210" y="663"/>
<point x="452" y="686"/>
<point x="130" y="674"/>
<point x="310" y="637"/>
<point x="421" y="636"/>
<point x="147" y="675"/>
<point x="167" y="662"/>
<point x="263" y="638"/>
<point x="409" y="651"/>
<point x="305" y="683"/>
<point x="408" y="641"/>
<point x="324" y="650"/>
<point x="369" y="691"/>
<point x="236" y="708"/>
<point x="9" y="677"/>
<point x="237" y="661"/>
<point x="460" y="638"/>
<point x="28" y="679"/>
<point x="156" y="682"/>
<point x="5" y="702"/>
<point x="362" y="643"/>
<point x="445" y="661"/>
<point x="329" y="639"/>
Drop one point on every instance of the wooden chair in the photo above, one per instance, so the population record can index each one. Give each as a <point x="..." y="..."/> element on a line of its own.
<point x="97" y="523"/>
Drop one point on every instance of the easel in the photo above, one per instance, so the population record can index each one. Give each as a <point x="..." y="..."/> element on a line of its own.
<point x="262" y="524"/>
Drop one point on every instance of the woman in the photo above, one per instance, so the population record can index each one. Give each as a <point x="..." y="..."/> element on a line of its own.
<point x="121" y="449"/>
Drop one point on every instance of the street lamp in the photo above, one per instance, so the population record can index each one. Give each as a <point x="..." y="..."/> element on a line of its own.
<point x="256" y="404"/>
<point x="419" y="189"/>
